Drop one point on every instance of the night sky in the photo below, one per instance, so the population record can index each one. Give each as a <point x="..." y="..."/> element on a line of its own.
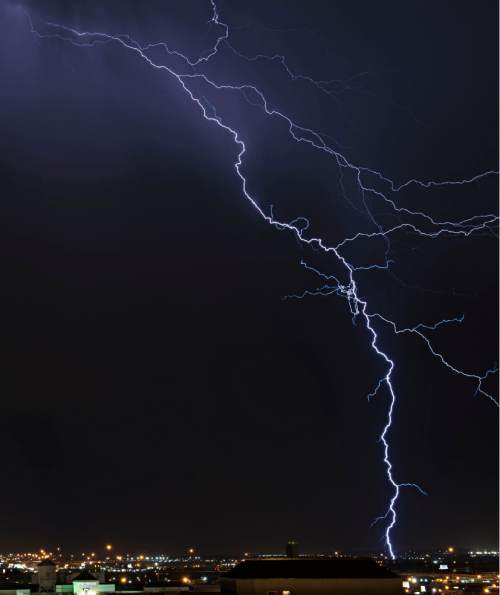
<point x="157" y="391"/>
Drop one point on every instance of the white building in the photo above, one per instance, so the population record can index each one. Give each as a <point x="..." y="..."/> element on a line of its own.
<point x="85" y="583"/>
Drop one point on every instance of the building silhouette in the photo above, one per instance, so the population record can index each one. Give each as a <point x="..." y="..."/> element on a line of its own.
<point x="292" y="549"/>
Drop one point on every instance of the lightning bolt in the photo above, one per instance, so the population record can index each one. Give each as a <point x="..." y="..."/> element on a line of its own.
<point x="372" y="185"/>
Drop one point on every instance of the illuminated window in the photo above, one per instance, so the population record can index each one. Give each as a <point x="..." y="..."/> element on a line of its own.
<point x="286" y="593"/>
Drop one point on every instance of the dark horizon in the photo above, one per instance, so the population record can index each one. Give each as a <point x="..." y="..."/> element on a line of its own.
<point x="58" y="552"/>
<point x="157" y="389"/>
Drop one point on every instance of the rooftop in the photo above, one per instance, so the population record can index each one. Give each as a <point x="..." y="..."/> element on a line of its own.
<point x="46" y="562"/>
<point x="85" y="576"/>
<point x="309" y="568"/>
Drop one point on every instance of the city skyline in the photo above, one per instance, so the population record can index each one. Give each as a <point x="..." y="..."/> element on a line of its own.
<point x="437" y="571"/>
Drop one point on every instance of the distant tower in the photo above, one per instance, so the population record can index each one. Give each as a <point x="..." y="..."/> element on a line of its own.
<point x="47" y="577"/>
<point x="292" y="549"/>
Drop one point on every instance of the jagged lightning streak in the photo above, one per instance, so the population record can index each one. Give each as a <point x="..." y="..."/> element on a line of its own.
<point x="358" y="305"/>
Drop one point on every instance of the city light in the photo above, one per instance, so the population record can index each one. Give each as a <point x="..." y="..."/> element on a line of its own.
<point x="469" y="574"/>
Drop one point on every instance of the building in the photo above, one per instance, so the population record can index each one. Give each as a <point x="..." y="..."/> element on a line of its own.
<point x="292" y="549"/>
<point x="46" y="581"/>
<point x="47" y="576"/>
<point x="85" y="583"/>
<point x="310" y="576"/>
